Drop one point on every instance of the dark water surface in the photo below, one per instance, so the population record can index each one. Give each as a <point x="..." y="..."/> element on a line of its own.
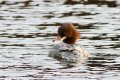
<point x="27" y="29"/>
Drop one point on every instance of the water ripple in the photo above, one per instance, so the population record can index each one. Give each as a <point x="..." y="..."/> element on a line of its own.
<point x="27" y="28"/>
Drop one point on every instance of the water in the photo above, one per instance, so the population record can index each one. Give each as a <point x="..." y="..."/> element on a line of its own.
<point x="27" y="31"/>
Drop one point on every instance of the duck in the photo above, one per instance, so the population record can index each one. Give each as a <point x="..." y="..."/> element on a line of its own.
<point x="66" y="47"/>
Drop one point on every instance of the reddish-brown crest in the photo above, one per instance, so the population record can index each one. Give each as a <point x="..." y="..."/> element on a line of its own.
<point x="69" y="31"/>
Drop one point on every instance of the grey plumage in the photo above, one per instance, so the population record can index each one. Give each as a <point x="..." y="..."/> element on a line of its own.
<point x="69" y="52"/>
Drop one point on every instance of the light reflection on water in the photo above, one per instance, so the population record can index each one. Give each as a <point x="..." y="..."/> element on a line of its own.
<point x="28" y="28"/>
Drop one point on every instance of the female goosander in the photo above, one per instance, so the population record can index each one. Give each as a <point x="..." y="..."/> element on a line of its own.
<point x="67" y="49"/>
